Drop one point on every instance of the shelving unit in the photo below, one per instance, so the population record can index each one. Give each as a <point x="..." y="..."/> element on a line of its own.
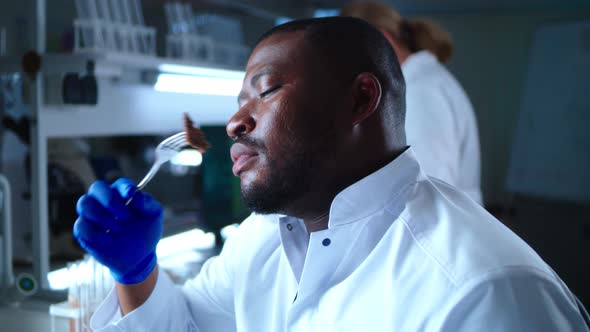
<point x="123" y="109"/>
<point x="131" y="109"/>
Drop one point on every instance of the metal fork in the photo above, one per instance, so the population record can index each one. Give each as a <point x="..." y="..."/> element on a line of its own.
<point x="165" y="151"/>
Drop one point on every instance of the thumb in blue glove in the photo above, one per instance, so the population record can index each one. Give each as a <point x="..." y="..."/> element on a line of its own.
<point x="121" y="237"/>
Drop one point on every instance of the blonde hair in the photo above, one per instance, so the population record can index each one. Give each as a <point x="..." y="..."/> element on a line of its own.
<point x="415" y="35"/>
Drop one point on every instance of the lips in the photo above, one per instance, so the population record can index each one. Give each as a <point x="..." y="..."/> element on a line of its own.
<point x="242" y="157"/>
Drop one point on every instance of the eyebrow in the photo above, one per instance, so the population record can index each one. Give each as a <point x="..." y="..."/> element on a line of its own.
<point x="255" y="79"/>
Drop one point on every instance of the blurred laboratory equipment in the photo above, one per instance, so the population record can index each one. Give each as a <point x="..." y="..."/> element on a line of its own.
<point x="2" y="41"/>
<point x="204" y="37"/>
<point x="227" y="33"/>
<point x="12" y="290"/>
<point x="6" y="239"/>
<point x="15" y="157"/>
<point x="113" y="25"/>
<point x="182" y="40"/>
<point x="80" y="88"/>
<point x="88" y="283"/>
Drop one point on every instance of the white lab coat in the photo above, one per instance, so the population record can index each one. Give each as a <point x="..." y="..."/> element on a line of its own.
<point x="402" y="253"/>
<point x="440" y="124"/>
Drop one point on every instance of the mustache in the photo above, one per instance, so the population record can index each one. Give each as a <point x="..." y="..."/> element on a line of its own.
<point x="251" y="143"/>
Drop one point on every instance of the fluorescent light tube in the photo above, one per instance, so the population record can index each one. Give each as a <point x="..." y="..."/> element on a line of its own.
<point x="198" y="84"/>
<point x="202" y="71"/>
<point x="199" y="80"/>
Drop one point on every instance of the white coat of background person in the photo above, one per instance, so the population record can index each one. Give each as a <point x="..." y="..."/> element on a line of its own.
<point x="440" y="122"/>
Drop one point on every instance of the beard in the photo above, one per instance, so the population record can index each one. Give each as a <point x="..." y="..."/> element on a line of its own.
<point x="292" y="176"/>
<point x="282" y="185"/>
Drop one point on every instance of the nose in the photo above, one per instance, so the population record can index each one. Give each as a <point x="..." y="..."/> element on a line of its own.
<point x="242" y="123"/>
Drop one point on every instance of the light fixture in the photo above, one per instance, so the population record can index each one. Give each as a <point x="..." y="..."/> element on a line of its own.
<point x="195" y="239"/>
<point x="187" y="157"/>
<point x="201" y="71"/>
<point x="199" y="80"/>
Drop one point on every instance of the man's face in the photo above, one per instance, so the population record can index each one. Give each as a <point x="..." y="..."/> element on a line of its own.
<point x="287" y="130"/>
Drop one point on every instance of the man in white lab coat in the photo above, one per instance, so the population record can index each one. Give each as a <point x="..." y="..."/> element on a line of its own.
<point x="349" y="234"/>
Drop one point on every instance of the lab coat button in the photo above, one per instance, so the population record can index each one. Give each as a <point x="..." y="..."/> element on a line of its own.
<point x="326" y="242"/>
<point x="289" y="226"/>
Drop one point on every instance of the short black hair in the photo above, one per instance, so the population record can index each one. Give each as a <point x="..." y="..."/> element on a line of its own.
<point x="348" y="46"/>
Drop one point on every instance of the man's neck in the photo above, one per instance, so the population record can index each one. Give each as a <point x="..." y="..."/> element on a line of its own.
<point x="315" y="208"/>
<point x="319" y="223"/>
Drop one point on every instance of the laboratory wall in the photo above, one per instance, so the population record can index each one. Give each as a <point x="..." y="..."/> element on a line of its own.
<point x="493" y="50"/>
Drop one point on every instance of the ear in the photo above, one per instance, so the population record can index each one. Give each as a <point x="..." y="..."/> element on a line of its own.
<point x="367" y="95"/>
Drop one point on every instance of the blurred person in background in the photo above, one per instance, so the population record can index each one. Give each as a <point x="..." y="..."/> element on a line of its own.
<point x="440" y="123"/>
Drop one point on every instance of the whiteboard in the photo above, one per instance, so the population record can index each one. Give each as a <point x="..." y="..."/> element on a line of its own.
<point x="550" y="155"/>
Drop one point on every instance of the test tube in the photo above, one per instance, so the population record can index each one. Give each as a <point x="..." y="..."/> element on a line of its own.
<point x="126" y="12"/>
<point x="139" y="10"/>
<point x="115" y="11"/>
<point x="169" y="18"/>
<point x="2" y="41"/>
<point x="92" y="10"/>
<point x="181" y="20"/>
<point x="187" y="14"/>
<point x="82" y="9"/>
<point x="104" y="12"/>
<point x="71" y="292"/>
<point x="85" y="284"/>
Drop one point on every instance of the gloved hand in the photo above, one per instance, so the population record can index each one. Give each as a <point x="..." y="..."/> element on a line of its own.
<point x="123" y="238"/>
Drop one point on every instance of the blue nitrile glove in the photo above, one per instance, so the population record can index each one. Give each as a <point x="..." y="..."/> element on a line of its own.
<point x="123" y="238"/>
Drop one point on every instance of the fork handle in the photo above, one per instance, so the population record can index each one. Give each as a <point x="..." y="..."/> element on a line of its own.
<point x="150" y="175"/>
<point x="146" y="179"/>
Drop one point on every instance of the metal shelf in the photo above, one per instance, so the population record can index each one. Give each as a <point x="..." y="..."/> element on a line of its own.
<point x="132" y="109"/>
<point x="123" y="108"/>
<point x="54" y="63"/>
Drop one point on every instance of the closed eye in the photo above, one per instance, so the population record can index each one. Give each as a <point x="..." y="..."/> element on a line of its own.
<point x="269" y="91"/>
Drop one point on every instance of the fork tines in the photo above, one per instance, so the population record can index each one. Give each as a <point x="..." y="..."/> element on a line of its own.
<point x="175" y="142"/>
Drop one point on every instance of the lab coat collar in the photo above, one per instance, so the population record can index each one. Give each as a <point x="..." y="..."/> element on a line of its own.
<point x="375" y="191"/>
<point x="416" y="61"/>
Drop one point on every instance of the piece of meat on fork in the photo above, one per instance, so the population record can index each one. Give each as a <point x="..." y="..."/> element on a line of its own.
<point x="194" y="135"/>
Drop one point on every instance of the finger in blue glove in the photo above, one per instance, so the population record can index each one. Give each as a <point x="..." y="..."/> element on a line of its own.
<point x="121" y="237"/>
